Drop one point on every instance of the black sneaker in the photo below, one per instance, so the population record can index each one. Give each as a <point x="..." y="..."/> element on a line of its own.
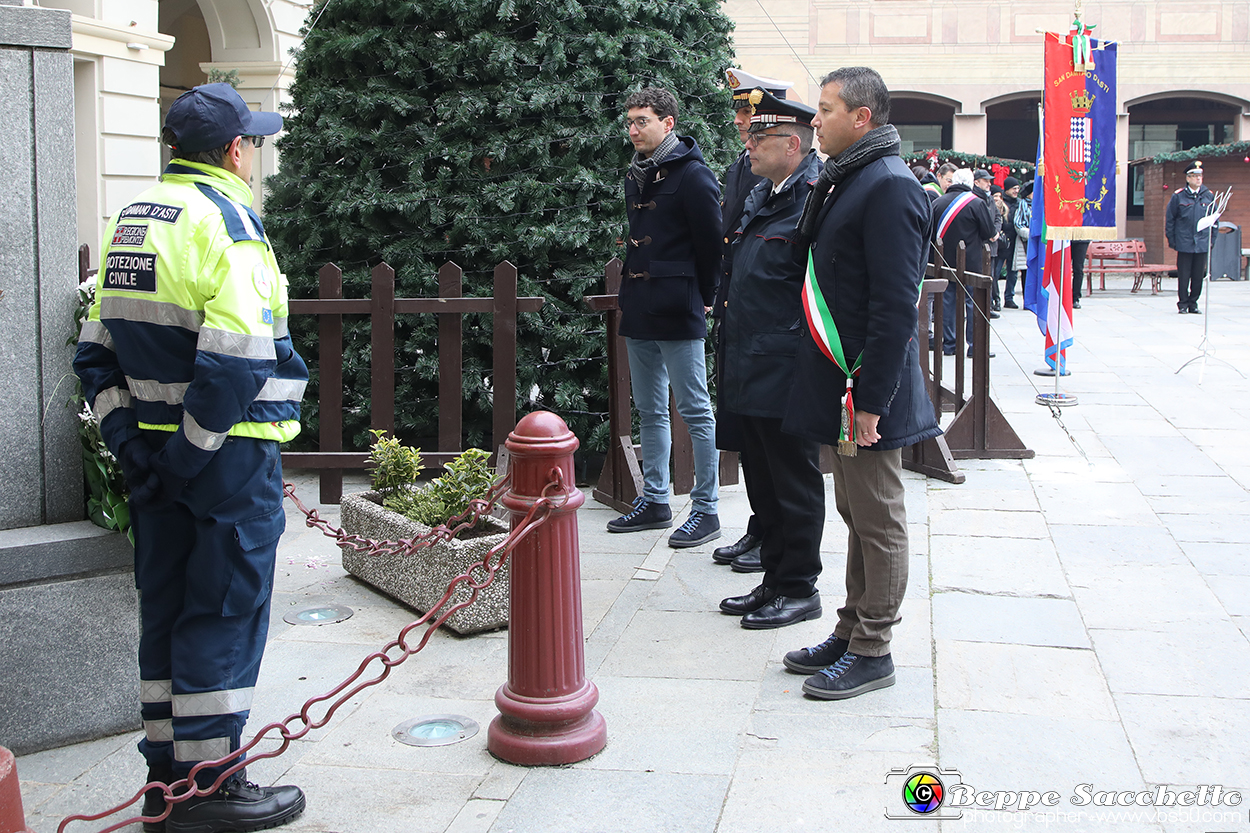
<point x="745" y="544"/>
<point x="699" y="528"/>
<point x="154" y="799"/>
<point x="238" y="805"/>
<point x="644" y="515"/>
<point x="851" y="676"/>
<point x="1193" y="310"/>
<point x="811" y="660"/>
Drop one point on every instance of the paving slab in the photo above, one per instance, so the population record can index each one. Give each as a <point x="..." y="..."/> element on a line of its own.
<point x="1021" y="679"/>
<point x="672" y="725"/>
<point x="997" y="566"/>
<point x="972" y="617"/>
<point x="582" y="800"/>
<point x="1215" y="663"/>
<point x="663" y="643"/>
<point x="1188" y="740"/>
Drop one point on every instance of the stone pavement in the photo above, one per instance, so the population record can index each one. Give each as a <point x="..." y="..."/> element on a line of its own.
<point x="1069" y="620"/>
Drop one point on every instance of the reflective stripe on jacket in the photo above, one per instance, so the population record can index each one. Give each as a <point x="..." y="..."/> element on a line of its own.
<point x="189" y="325"/>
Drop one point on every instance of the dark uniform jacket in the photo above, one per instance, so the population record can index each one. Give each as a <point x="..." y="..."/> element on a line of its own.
<point x="763" y="321"/>
<point x="738" y="183"/>
<point x="973" y="225"/>
<point x="673" y="252"/>
<point x="1185" y="209"/>
<point x="870" y="251"/>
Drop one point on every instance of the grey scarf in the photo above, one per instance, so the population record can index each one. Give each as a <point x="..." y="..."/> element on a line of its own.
<point x="639" y="167"/>
<point x="873" y="145"/>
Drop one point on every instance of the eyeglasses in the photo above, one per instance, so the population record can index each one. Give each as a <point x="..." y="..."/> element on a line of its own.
<point x="754" y="138"/>
<point x="641" y="122"/>
<point x="256" y="141"/>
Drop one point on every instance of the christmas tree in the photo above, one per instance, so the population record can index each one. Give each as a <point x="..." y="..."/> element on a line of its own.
<point x="478" y="131"/>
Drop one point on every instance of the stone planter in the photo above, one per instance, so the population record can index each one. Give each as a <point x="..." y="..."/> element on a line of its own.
<point x="420" y="580"/>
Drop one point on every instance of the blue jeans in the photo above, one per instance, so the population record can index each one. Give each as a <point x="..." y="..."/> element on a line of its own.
<point x="653" y="366"/>
<point x="948" y="317"/>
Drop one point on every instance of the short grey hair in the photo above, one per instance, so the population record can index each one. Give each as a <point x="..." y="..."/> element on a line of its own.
<point x="962" y="176"/>
<point x="805" y="132"/>
<point x="862" y="87"/>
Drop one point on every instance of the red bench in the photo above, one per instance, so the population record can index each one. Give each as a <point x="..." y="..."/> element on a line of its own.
<point x="1123" y="257"/>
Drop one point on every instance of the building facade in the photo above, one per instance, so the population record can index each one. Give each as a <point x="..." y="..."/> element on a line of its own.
<point x="132" y="58"/>
<point x="967" y="75"/>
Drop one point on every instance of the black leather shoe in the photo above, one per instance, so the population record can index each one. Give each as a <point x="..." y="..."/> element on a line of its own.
<point x="239" y="805"/>
<point x="726" y="554"/>
<point x="782" y="611"/>
<point x="1010" y="304"/>
<point x="748" y="562"/>
<point x="154" y="799"/>
<point x="739" y="605"/>
<point x="851" y="676"/>
<point x="811" y="660"/>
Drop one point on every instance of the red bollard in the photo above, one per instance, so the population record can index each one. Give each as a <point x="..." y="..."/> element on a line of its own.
<point x="547" y="708"/>
<point x="12" y="819"/>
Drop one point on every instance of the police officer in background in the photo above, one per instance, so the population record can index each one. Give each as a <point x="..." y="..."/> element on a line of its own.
<point x="186" y="362"/>
<point x="1185" y="209"/>
<point x="744" y="555"/>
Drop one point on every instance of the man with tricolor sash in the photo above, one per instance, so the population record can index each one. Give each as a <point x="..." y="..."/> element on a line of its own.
<point x="857" y="379"/>
<point x="961" y="215"/>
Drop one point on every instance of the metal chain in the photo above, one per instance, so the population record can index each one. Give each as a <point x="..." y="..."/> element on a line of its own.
<point x="554" y="495"/>
<point x="1056" y="412"/>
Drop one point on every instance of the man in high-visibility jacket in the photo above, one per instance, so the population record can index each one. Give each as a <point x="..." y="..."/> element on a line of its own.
<point x="186" y="361"/>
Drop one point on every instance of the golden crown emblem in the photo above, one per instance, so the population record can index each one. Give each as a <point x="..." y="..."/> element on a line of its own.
<point x="1082" y="101"/>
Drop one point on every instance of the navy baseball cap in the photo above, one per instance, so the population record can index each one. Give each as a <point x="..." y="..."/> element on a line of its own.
<point x="211" y="115"/>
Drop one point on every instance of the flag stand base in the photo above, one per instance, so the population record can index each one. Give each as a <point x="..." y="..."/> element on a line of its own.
<point x="1046" y="371"/>
<point x="1061" y="400"/>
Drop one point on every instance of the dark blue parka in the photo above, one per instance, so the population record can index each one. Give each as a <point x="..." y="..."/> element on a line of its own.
<point x="739" y="181"/>
<point x="1185" y="209"/>
<point x="763" y="321"/>
<point x="673" y="252"/>
<point x="870" y="250"/>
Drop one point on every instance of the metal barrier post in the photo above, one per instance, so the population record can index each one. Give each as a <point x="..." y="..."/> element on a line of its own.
<point x="12" y="819"/>
<point x="547" y="708"/>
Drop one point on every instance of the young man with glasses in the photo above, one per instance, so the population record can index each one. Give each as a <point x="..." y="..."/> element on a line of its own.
<point x="673" y="254"/>
<point x="187" y="363"/>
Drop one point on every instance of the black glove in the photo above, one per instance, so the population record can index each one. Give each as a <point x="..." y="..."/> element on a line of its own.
<point x="135" y="459"/>
<point x="162" y="487"/>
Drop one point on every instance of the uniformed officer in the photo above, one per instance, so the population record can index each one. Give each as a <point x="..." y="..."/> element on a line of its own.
<point x="743" y="556"/>
<point x="1185" y="209"/>
<point x="187" y="364"/>
<point x="760" y="334"/>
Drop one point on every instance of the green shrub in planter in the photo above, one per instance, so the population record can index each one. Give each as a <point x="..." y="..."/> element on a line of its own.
<point x="397" y="466"/>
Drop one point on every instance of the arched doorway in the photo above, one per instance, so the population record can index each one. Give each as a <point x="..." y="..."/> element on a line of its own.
<point x="235" y="37"/>
<point x="1011" y="125"/>
<point x="924" y="121"/>
<point x="1172" y="121"/>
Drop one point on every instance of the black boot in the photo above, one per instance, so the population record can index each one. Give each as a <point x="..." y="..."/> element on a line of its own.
<point x="726" y="554"/>
<point x="238" y="805"/>
<point x="154" y="799"/>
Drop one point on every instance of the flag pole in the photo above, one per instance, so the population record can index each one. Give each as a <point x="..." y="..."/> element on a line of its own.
<point x="1058" y="398"/>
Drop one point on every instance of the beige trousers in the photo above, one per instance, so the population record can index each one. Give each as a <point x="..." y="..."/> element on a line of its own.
<point x="868" y="492"/>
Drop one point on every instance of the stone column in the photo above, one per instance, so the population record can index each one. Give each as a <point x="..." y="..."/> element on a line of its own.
<point x="68" y="619"/>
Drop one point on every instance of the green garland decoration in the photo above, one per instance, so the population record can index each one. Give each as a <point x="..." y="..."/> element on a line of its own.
<point x="1021" y="169"/>
<point x="1204" y="152"/>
